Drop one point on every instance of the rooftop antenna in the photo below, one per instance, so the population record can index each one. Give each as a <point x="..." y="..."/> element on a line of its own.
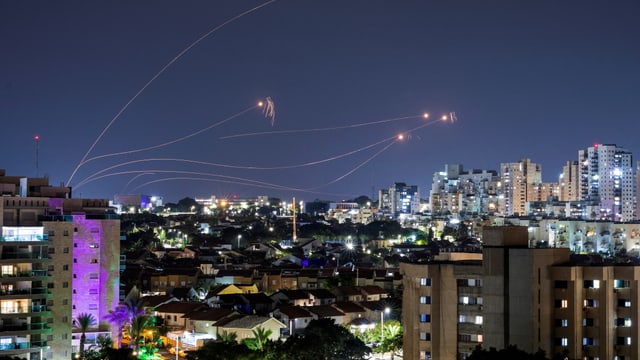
<point x="36" y="140"/>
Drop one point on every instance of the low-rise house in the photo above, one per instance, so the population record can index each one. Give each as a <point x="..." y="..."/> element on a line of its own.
<point x="173" y="313"/>
<point x="254" y="304"/>
<point x="244" y="326"/>
<point x="234" y="277"/>
<point x="152" y="301"/>
<point x="327" y="312"/>
<point x="203" y="321"/>
<point x="373" y="293"/>
<point x="295" y="317"/>
<point x="292" y="297"/>
<point x="169" y="279"/>
<point x="350" y="310"/>
<point x="213" y="296"/>
<point x="321" y="297"/>
<point x="348" y="293"/>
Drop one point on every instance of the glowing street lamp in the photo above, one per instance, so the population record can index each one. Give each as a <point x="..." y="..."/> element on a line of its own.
<point x="382" y="312"/>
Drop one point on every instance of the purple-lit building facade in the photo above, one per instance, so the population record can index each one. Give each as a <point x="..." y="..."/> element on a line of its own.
<point x="59" y="257"/>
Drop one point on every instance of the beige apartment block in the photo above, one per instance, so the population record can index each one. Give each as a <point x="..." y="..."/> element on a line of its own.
<point x="450" y="306"/>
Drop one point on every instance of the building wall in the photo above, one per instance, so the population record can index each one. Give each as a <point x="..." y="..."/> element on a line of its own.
<point x="450" y="307"/>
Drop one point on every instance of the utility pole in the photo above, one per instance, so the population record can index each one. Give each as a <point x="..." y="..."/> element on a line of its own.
<point x="293" y="206"/>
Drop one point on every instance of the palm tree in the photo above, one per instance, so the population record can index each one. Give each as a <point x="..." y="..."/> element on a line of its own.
<point x="118" y="317"/>
<point x="260" y="338"/>
<point x="136" y="329"/>
<point x="228" y="337"/>
<point x="135" y="307"/>
<point x="83" y="322"/>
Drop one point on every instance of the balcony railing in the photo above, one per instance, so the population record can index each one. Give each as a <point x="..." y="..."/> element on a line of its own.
<point x="24" y="327"/>
<point x="23" y="255"/>
<point x="26" y="274"/>
<point x="27" y="291"/>
<point x="24" y="309"/>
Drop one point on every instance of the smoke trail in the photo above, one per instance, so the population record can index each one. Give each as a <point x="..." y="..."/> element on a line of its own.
<point x="122" y="110"/>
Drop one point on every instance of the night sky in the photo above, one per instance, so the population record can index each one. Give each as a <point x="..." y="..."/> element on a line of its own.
<point x="535" y="79"/>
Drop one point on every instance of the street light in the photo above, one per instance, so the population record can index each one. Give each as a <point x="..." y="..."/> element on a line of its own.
<point x="382" y="312"/>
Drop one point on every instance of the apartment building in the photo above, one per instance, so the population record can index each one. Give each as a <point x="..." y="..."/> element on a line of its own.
<point x="606" y="174"/>
<point x="503" y="297"/>
<point x="59" y="258"/>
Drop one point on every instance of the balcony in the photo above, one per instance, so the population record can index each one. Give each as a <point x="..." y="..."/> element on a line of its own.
<point x="20" y="310"/>
<point x="7" y="348"/>
<point x="26" y="238"/>
<point x="8" y="255"/>
<point x="28" y="292"/>
<point x="17" y="329"/>
<point x="26" y="275"/>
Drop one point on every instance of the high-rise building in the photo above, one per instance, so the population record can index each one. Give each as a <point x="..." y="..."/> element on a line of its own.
<point x="59" y="258"/>
<point x="520" y="185"/>
<point x="404" y="199"/>
<point x="607" y="177"/>
<point x="569" y="182"/>
<point x="455" y="190"/>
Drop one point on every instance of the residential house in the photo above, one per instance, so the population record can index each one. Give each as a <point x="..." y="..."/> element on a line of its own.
<point x="173" y="313"/>
<point x="203" y="321"/>
<point x="321" y="296"/>
<point x="349" y="293"/>
<point x="244" y="326"/>
<point x="169" y="279"/>
<point x="295" y="317"/>
<point x="373" y="293"/>
<point x="350" y="310"/>
<point x="326" y="311"/>
<point x="292" y="297"/>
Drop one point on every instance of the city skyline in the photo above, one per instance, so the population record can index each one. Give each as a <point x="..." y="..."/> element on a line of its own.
<point x="538" y="81"/>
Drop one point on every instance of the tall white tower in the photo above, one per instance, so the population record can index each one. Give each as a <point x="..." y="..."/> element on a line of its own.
<point x="606" y="174"/>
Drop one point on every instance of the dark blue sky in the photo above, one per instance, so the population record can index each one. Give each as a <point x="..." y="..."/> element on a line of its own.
<point x="537" y="79"/>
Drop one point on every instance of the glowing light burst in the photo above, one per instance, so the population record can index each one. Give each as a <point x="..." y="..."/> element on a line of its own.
<point x="167" y="66"/>
<point x="269" y="110"/>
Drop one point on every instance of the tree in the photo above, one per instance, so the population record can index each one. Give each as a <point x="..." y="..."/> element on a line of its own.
<point x="392" y="339"/>
<point x="118" y="317"/>
<point x="228" y="337"/>
<point x="83" y="322"/>
<point x="259" y="339"/>
<point x="323" y="339"/>
<point x="136" y="329"/>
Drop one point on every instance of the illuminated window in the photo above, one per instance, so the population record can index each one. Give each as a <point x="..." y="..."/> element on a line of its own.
<point x="425" y="299"/>
<point x="425" y="282"/>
